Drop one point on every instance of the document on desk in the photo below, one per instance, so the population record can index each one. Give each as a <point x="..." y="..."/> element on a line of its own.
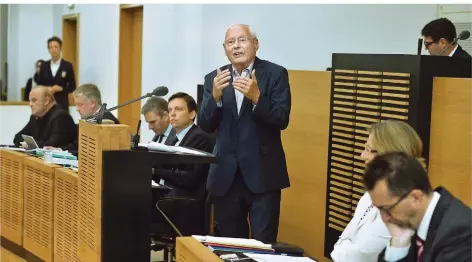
<point x="233" y="241"/>
<point x="277" y="258"/>
<point x="173" y="149"/>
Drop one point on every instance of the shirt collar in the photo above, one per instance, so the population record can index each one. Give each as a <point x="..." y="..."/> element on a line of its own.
<point x="248" y="70"/>
<point x="184" y="132"/>
<point x="453" y="51"/>
<point x="424" y="225"/>
<point x="168" y="129"/>
<point x="58" y="62"/>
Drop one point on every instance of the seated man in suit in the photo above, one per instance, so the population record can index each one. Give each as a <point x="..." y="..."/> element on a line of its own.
<point x="49" y="125"/>
<point x="426" y="225"/>
<point x="186" y="181"/>
<point x="156" y="115"/>
<point x="57" y="74"/>
<point x="438" y="34"/>
<point x="88" y="101"/>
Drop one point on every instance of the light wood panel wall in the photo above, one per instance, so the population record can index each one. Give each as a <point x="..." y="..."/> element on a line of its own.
<point x="305" y="143"/>
<point x="450" y="163"/>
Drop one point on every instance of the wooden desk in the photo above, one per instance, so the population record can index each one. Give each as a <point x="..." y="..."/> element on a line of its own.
<point x="11" y="206"/>
<point x="191" y="250"/>
<point x="39" y="207"/>
<point x="66" y="239"/>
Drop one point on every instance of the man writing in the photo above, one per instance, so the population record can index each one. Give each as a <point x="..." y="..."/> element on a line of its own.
<point x="438" y="34"/>
<point x="156" y="115"/>
<point x="248" y="102"/>
<point x="49" y="125"/>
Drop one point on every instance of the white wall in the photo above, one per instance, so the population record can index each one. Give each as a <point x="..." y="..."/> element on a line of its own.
<point x="181" y="43"/>
<point x="29" y="28"/>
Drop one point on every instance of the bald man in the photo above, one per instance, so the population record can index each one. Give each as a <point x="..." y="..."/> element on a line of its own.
<point x="248" y="102"/>
<point x="48" y="124"/>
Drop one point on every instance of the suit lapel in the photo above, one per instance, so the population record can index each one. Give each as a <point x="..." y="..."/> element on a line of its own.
<point x="189" y="134"/>
<point x="229" y="97"/>
<point x="439" y="211"/>
<point x="259" y="75"/>
<point x="60" y="69"/>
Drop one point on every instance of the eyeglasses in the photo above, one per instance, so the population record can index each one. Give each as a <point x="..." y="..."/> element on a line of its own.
<point x="387" y="209"/>
<point x="232" y="41"/>
<point x="426" y="44"/>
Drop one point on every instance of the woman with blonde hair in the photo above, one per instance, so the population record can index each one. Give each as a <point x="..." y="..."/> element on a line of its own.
<point x="366" y="235"/>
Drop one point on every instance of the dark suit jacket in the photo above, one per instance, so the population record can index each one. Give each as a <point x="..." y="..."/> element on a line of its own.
<point x="251" y="140"/>
<point x="73" y="147"/>
<point x="29" y="86"/>
<point x="188" y="180"/>
<point x="64" y="78"/>
<point x="461" y="53"/>
<point x="56" y="128"/>
<point x="169" y="138"/>
<point x="449" y="233"/>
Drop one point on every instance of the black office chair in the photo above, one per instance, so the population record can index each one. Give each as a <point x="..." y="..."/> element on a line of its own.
<point x="177" y="223"/>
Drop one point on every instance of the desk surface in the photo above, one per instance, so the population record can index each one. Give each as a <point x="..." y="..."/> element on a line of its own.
<point x="190" y="249"/>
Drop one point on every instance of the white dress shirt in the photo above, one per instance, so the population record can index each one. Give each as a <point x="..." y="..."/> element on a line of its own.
<point x="239" y="96"/>
<point x="364" y="237"/>
<point x="182" y="134"/>
<point x="398" y="253"/>
<point x="55" y="66"/>
<point x="453" y="51"/>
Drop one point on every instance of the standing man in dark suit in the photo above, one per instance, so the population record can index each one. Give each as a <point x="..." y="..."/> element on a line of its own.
<point x="248" y="102"/>
<point x="187" y="181"/>
<point x="156" y="115"/>
<point x="425" y="225"/>
<point x="438" y="34"/>
<point x="57" y="74"/>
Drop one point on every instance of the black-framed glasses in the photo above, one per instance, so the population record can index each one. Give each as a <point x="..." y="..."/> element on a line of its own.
<point x="426" y="44"/>
<point x="387" y="209"/>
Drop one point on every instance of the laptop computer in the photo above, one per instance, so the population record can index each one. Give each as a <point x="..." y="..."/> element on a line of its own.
<point x="29" y="140"/>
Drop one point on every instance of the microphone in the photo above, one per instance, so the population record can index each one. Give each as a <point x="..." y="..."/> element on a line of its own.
<point x="420" y="45"/>
<point x="158" y="91"/>
<point x="462" y="36"/>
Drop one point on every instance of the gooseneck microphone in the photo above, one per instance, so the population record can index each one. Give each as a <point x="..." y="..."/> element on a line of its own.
<point x="158" y="91"/>
<point x="462" y="36"/>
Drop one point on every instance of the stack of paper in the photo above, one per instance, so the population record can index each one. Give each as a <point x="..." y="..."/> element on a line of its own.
<point x="173" y="149"/>
<point x="235" y="244"/>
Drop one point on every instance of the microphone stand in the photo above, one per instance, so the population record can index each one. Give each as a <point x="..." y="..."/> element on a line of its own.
<point x="449" y="45"/>
<point x="99" y="116"/>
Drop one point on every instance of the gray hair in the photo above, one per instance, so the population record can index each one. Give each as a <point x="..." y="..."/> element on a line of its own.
<point x="90" y="92"/>
<point x="155" y="104"/>
<point x="251" y="32"/>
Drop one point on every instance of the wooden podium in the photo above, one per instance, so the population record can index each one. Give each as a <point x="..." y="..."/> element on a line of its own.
<point x="115" y="193"/>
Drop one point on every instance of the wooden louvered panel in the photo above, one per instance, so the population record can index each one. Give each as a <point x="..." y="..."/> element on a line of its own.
<point x="93" y="140"/>
<point x="39" y="208"/>
<point x="11" y="203"/>
<point x="371" y="103"/>
<point x="66" y="240"/>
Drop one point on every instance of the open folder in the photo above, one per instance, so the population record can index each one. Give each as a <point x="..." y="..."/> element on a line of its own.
<point x="173" y="149"/>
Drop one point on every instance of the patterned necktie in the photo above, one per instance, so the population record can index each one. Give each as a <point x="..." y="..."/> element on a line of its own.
<point x="419" y="248"/>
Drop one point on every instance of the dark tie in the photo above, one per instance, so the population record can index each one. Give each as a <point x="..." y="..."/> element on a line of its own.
<point x="175" y="141"/>
<point x="160" y="138"/>
<point x="419" y="248"/>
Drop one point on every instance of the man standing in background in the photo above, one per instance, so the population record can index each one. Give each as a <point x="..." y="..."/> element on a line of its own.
<point x="57" y="74"/>
<point x="248" y="102"/>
